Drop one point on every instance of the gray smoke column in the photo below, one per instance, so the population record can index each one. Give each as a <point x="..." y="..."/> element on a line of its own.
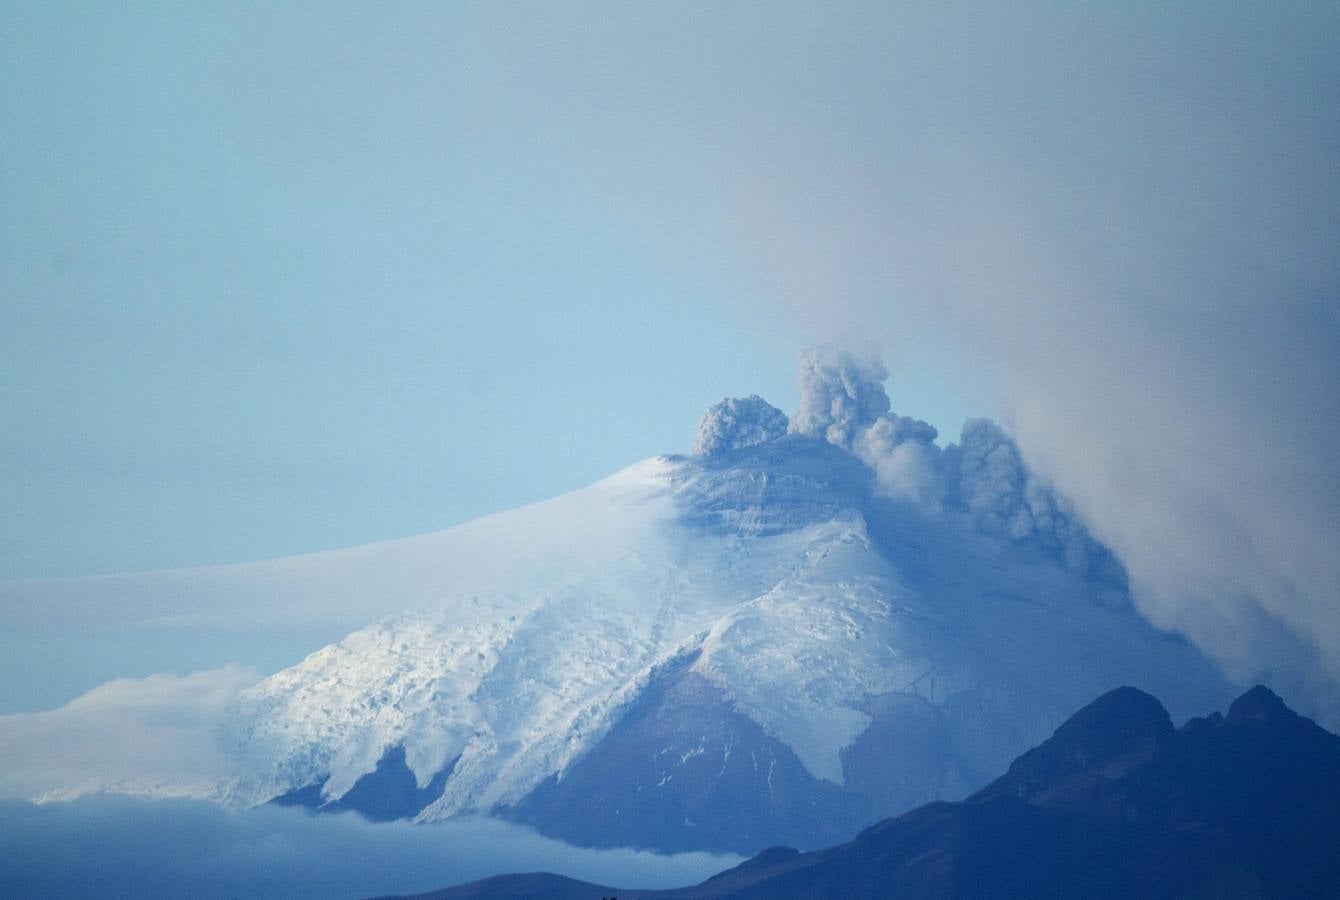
<point x="738" y="422"/>
<point x="906" y="460"/>
<point x="1221" y="540"/>
<point x="841" y="395"/>
<point x="1118" y="221"/>
<point x="1004" y="498"/>
<point x="843" y="401"/>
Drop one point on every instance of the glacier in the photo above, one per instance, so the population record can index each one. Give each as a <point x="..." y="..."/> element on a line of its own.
<point x="777" y="573"/>
<point x="770" y="640"/>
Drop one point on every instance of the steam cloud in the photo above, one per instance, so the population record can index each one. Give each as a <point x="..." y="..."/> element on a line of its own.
<point x="840" y="395"/>
<point x="738" y="422"/>
<point x="1006" y="498"/>
<point x="1117" y="223"/>
<point x="843" y="401"/>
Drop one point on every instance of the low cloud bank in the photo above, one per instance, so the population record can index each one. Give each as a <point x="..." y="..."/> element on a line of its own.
<point x="116" y="847"/>
<point x="159" y="734"/>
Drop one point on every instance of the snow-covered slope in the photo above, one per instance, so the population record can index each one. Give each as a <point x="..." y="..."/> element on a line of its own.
<point x="803" y="626"/>
<point x="517" y="675"/>
<point x="778" y="572"/>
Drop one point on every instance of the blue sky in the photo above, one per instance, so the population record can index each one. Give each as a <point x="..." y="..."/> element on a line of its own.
<point x="280" y="279"/>
<point x="284" y="277"/>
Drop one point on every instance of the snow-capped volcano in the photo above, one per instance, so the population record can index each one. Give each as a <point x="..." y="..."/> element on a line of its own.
<point x="803" y="626"/>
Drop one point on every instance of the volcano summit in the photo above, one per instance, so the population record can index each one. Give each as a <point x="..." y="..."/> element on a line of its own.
<point x="804" y="626"/>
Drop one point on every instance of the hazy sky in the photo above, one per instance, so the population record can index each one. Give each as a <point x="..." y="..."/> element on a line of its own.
<point x="281" y="277"/>
<point x="284" y="277"/>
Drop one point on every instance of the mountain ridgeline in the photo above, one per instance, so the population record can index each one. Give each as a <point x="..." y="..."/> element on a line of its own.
<point x="803" y="627"/>
<point x="1116" y="804"/>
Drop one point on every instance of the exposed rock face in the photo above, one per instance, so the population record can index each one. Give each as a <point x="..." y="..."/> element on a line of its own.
<point x="1116" y="804"/>
<point x="757" y="647"/>
<point x="797" y="630"/>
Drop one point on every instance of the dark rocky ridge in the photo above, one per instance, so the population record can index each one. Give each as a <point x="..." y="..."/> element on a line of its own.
<point x="1117" y="803"/>
<point x="686" y="770"/>
<point x="388" y="792"/>
<point x="938" y="650"/>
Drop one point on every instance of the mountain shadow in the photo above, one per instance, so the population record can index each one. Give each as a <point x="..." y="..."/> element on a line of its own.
<point x="388" y="792"/>
<point x="1117" y="803"/>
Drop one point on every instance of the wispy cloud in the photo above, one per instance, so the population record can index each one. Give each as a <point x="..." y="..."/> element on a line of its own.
<point x="158" y="734"/>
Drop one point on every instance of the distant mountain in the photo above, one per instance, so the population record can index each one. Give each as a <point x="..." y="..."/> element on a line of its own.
<point x="1116" y="804"/>
<point x="802" y="627"/>
<point x="805" y="625"/>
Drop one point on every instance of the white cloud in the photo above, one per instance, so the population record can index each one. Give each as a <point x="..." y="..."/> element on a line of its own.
<point x="131" y="735"/>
